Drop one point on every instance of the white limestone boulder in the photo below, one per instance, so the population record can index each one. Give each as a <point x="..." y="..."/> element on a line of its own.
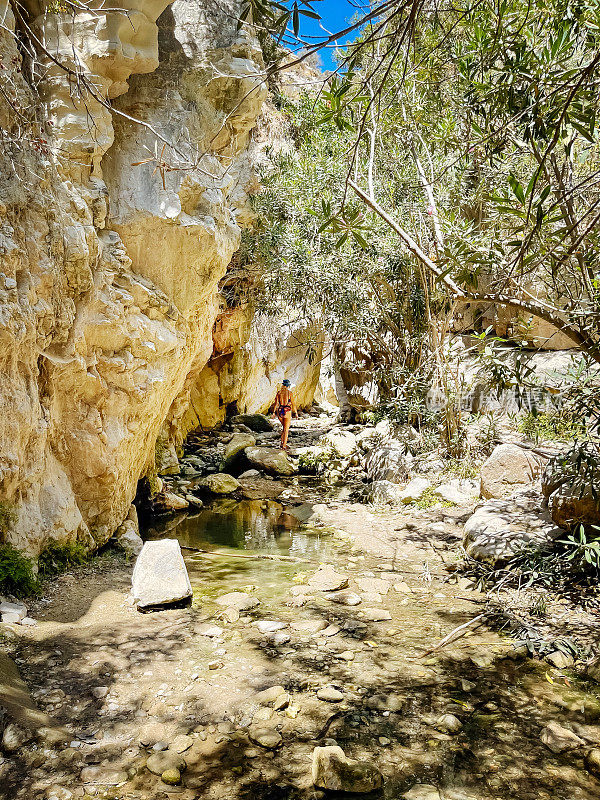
<point x="509" y="469"/>
<point x="160" y="576"/>
<point x="501" y="528"/>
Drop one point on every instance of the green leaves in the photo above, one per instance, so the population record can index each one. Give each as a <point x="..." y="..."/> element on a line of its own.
<point x="349" y="222"/>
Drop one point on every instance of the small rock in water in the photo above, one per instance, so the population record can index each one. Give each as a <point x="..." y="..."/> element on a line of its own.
<point x="241" y="601"/>
<point x="333" y="771"/>
<point x="268" y="738"/>
<point x="14" y="737"/>
<point x="279" y="639"/>
<point x="99" y="692"/>
<point x="282" y="702"/>
<point x="448" y="723"/>
<point x="219" y="483"/>
<point x="270" y="695"/>
<point x="158" y="763"/>
<point x="103" y="775"/>
<point x="250" y="473"/>
<point x="181" y="743"/>
<point x="422" y="791"/>
<point x="376" y="614"/>
<point x="269" y="625"/>
<point x="467" y="686"/>
<point x="309" y="626"/>
<point x="330" y="695"/>
<point x="592" y="761"/>
<point x="172" y="777"/>
<point x="206" y="629"/>
<point x="326" y="579"/>
<point x="559" y="739"/>
<point x="230" y="615"/>
<point x="373" y="585"/>
<point x="345" y="598"/>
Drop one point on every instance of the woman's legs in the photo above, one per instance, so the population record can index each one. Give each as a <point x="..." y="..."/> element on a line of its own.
<point x="286" y="421"/>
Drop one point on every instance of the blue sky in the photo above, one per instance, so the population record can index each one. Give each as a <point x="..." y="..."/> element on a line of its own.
<point x="335" y="15"/>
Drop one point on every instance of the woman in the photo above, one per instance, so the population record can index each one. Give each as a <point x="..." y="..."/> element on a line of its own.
<point x="285" y="406"/>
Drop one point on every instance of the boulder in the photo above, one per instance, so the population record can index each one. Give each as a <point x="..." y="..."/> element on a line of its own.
<point x="388" y="463"/>
<point x="326" y="579"/>
<point x="384" y="493"/>
<point x="333" y="771"/>
<point x="160" y="576"/>
<point x="571" y="486"/>
<point x="343" y="442"/>
<point x="499" y="529"/>
<point x="275" y="462"/>
<point x="219" y="483"/>
<point x="169" y="501"/>
<point x="509" y="469"/>
<point x="256" y="422"/>
<point x="18" y="610"/>
<point x="458" y="493"/>
<point x="414" y="490"/>
<point x="238" y="443"/>
<point x="128" y="538"/>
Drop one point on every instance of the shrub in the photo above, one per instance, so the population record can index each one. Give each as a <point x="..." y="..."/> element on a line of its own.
<point x="552" y="425"/>
<point x="59" y="557"/>
<point x="17" y="575"/>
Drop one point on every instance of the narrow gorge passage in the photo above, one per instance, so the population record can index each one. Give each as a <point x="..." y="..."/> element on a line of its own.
<point x="331" y="639"/>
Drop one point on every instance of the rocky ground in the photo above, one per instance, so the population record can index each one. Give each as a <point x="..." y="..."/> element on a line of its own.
<point x="336" y="640"/>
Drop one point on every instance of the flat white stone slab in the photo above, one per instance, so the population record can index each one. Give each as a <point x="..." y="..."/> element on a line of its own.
<point x="159" y="575"/>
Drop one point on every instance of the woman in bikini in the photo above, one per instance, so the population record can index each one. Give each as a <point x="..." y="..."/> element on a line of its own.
<point x="285" y="406"/>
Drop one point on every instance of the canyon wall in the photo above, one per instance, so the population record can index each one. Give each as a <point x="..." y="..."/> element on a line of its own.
<point x="116" y="228"/>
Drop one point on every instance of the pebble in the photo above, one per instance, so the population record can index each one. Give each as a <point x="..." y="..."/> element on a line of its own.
<point x="99" y="692"/>
<point x="206" y="629"/>
<point x="215" y="664"/>
<point x="376" y="614"/>
<point x="330" y="630"/>
<point x="181" y="743"/>
<point x="345" y="598"/>
<point x="422" y="791"/>
<point x="172" y="777"/>
<point x="326" y="579"/>
<point x="269" y="625"/>
<point x="309" y="626"/>
<point x="240" y="601"/>
<point x="270" y="695"/>
<point x="158" y="763"/>
<point x="448" y="723"/>
<point x="330" y="695"/>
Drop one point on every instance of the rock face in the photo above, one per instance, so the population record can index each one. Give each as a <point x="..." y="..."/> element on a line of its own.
<point x="571" y="483"/>
<point x="331" y="770"/>
<point x="160" y="576"/>
<point x="508" y="469"/>
<point x="499" y="529"/>
<point x="110" y="273"/>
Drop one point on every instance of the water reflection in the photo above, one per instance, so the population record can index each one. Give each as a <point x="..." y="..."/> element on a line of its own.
<point x="252" y="526"/>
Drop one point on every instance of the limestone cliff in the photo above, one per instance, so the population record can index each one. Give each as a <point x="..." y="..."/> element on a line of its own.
<point x="110" y="268"/>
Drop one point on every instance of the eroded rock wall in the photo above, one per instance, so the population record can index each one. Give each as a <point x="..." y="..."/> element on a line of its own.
<point x="110" y="267"/>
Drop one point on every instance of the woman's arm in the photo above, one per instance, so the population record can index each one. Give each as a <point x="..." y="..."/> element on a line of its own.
<point x="276" y="405"/>
<point x="293" y="402"/>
